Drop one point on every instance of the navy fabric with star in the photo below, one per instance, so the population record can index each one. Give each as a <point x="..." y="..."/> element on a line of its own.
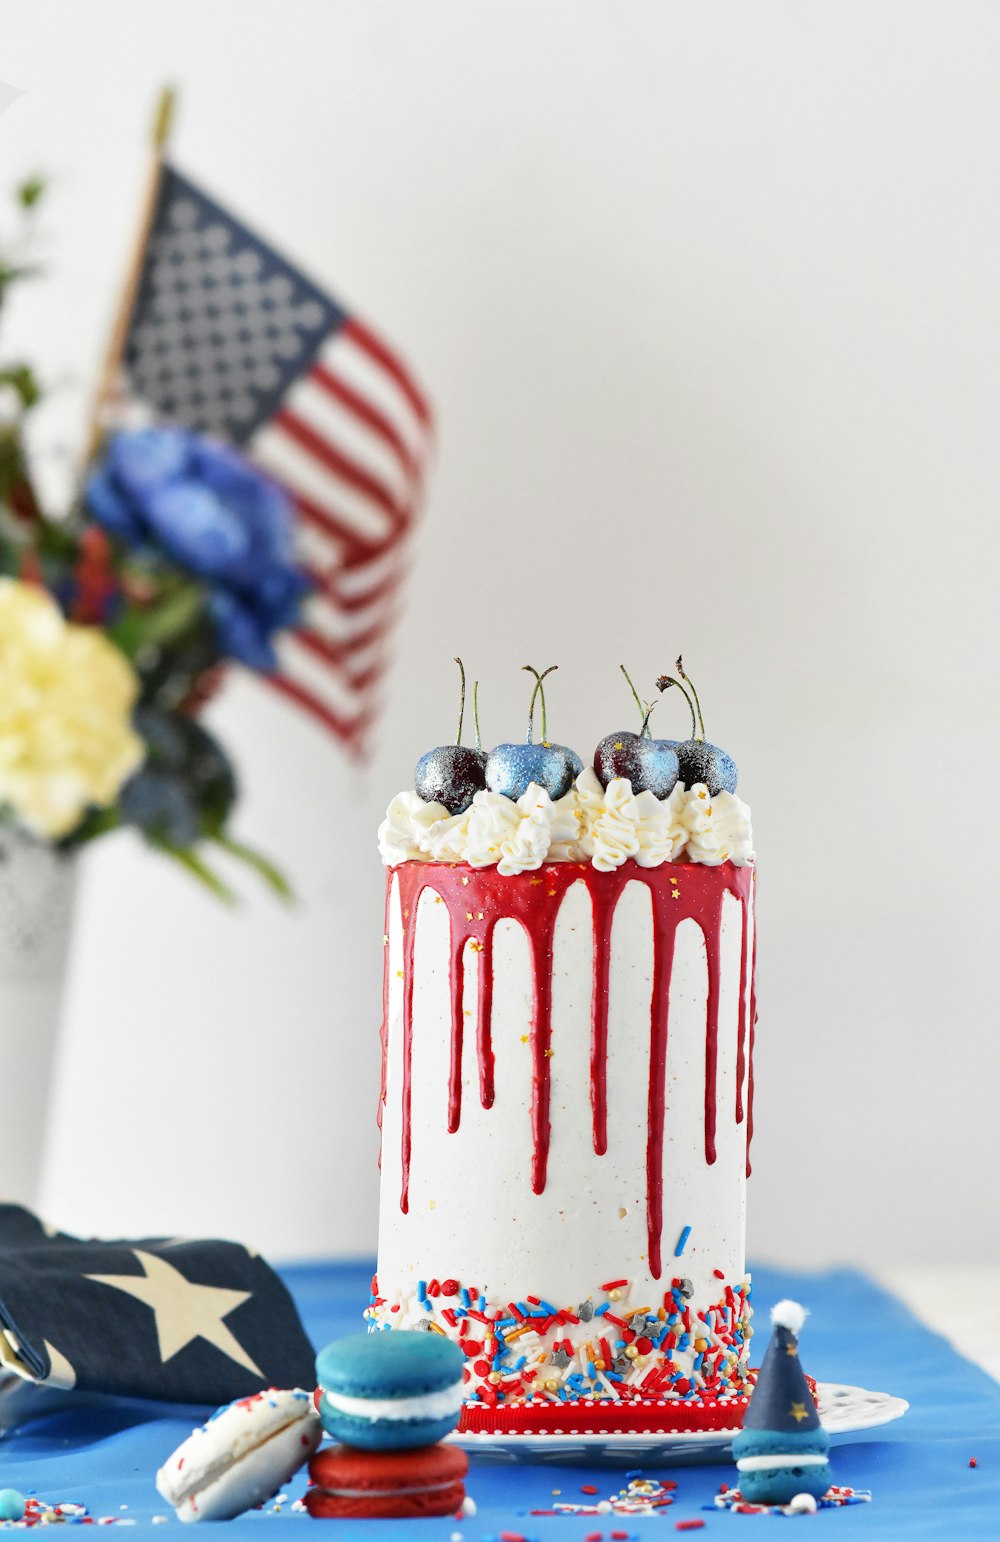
<point x="166" y="1318"/>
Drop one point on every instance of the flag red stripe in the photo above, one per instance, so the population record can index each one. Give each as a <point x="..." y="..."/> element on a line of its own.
<point x="334" y="460"/>
<point x="349" y="730"/>
<point x="354" y="547"/>
<point x="322" y="376"/>
<point x="338" y="652"/>
<point x="377" y="350"/>
<point x="326" y="586"/>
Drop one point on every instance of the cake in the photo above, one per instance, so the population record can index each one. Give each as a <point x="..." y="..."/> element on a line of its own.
<point x="566" y="1099"/>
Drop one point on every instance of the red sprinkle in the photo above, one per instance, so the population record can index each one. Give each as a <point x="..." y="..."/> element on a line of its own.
<point x="588" y="1488"/>
<point x="620" y="1536"/>
<point x="513" y="1536"/>
<point x="594" y="1536"/>
<point x="449" y="1287"/>
<point x="973" y="1462"/>
<point x="684" y="1526"/>
<point x="614" y="1284"/>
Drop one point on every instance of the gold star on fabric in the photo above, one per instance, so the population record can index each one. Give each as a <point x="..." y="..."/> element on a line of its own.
<point x="183" y="1311"/>
<point x="798" y="1412"/>
<point x="525" y="1037"/>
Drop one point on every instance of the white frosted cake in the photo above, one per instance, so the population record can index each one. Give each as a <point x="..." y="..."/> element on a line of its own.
<point x="566" y="1098"/>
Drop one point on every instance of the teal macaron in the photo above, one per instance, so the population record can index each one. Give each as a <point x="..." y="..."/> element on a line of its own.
<point x="390" y="1390"/>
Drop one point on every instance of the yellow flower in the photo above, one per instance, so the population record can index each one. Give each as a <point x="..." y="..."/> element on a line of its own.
<point x="66" y="699"/>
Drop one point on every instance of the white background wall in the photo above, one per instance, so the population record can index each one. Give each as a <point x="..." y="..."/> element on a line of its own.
<point x="707" y="299"/>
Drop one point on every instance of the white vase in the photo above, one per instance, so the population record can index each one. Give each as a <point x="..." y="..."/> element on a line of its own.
<point x="37" y="891"/>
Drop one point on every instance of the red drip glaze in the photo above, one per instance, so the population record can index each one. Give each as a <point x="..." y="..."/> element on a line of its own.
<point x="383" y="1033"/>
<point x="741" y="1031"/>
<point x="477" y="898"/>
<point x="603" y="901"/>
<point x="484" y="1018"/>
<point x="457" y="1034"/>
<point x="753" y="1034"/>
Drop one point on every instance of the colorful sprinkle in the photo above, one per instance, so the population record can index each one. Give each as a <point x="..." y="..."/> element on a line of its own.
<point x="682" y="1241"/>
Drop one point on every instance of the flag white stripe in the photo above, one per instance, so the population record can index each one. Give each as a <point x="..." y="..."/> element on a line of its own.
<point x="327" y="685"/>
<point x="301" y="473"/>
<point x="363" y="374"/>
<point x="339" y="626"/>
<point x="335" y="422"/>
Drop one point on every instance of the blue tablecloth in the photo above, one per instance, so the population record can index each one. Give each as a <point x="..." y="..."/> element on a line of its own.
<point x="917" y="1469"/>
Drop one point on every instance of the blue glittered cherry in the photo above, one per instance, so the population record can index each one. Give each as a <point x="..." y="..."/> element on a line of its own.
<point x="649" y="764"/>
<point x="511" y="768"/>
<point x="453" y="773"/>
<point x="699" y="760"/>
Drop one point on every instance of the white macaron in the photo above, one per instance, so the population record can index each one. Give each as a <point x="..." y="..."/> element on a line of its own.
<point x="242" y="1456"/>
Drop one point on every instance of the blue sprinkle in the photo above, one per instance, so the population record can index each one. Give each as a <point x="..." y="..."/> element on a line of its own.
<point x="682" y="1241"/>
<point x="466" y="1298"/>
<point x="547" y="1310"/>
<point x="619" y="1343"/>
<point x="613" y="1376"/>
<point x="602" y="1309"/>
<point x="519" y="1363"/>
<point x="592" y="1370"/>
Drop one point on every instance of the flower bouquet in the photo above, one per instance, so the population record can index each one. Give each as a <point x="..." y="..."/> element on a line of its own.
<point x="118" y="619"/>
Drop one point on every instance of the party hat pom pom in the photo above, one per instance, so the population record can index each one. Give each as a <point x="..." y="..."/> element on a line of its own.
<point x="788" y="1314"/>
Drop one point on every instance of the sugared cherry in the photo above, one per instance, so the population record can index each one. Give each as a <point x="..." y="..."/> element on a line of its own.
<point x="453" y="773"/>
<point x="650" y="764"/>
<point x="510" y="768"/>
<point x="699" y="760"/>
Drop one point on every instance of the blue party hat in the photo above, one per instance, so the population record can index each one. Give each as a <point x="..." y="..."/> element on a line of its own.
<point x="782" y="1448"/>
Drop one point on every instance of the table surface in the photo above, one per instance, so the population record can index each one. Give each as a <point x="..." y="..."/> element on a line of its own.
<point x="918" y="1469"/>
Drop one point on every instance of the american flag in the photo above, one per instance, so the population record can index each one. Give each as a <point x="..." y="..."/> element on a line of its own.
<point x="229" y="339"/>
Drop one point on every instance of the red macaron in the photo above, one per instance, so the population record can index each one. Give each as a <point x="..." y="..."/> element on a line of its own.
<point x="426" y="1481"/>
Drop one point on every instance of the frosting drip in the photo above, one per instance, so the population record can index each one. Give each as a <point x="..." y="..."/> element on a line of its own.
<point x="475" y="902"/>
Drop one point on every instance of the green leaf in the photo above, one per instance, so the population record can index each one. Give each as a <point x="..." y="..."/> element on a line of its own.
<point x="24" y="382"/>
<point x="156" y="625"/>
<point x="187" y="858"/>
<point x="29" y="193"/>
<point x="272" y="876"/>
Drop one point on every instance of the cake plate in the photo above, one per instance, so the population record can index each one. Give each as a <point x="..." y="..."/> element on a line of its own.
<point x="844" y="1410"/>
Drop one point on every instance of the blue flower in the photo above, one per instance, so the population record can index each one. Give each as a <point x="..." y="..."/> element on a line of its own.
<point x="204" y="507"/>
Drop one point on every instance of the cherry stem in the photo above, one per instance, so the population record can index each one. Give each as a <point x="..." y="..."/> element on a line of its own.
<point x="644" y="731"/>
<point x="461" y="709"/>
<point x="475" y="713"/>
<point x="664" y="683"/>
<point x="540" y="692"/>
<point x="694" y="693"/>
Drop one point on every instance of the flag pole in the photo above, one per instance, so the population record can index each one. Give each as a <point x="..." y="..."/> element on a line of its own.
<point x="108" y="377"/>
